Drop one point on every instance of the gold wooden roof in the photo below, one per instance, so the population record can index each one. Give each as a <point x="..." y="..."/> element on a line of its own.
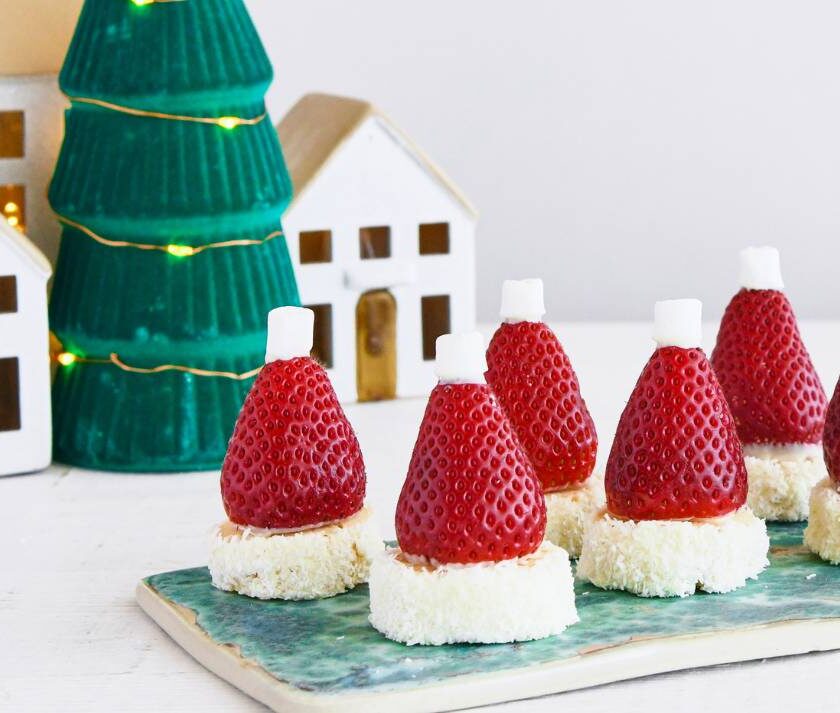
<point x="319" y="124"/>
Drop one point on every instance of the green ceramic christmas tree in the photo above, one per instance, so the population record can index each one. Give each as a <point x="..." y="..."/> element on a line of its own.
<point x="168" y="156"/>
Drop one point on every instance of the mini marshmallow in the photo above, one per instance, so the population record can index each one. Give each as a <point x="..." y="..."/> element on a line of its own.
<point x="290" y="331"/>
<point x="678" y="323"/>
<point x="522" y="300"/>
<point x="461" y="358"/>
<point x="760" y="269"/>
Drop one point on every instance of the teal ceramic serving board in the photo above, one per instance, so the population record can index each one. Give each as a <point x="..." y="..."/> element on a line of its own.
<point x="324" y="656"/>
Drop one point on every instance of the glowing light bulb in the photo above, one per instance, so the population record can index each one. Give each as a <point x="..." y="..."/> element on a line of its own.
<point x="180" y="250"/>
<point x="13" y="221"/>
<point x="11" y="207"/>
<point x="66" y="358"/>
<point x="229" y="122"/>
<point x="142" y="2"/>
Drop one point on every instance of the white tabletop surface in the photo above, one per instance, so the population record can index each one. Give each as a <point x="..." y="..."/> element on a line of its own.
<point x="75" y="544"/>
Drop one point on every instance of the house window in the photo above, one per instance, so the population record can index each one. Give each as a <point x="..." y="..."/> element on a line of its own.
<point x="11" y="134"/>
<point x="9" y="394"/>
<point x="13" y="205"/>
<point x="434" y="239"/>
<point x="8" y="294"/>
<point x="375" y="242"/>
<point x="315" y="246"/>
<point x="435" y="314"/>
<point x="322" y="341"/>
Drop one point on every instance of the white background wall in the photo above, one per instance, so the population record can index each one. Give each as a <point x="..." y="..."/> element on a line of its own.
<point x="621" y="150"/>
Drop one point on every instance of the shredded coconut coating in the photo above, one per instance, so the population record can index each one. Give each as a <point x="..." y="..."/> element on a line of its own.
<point x="780" y="484"/>
<point x="309" y="564"/>
<point x="526" y="598"/>
<point x="822" y="536"/>
<point x="568" y="512"/>
<point x="674" y="558"/>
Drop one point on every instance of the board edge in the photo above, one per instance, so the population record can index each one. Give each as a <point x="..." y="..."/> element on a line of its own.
<point x="633" y="659"/>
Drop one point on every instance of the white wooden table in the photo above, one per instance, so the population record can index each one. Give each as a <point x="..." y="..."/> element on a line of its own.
<point x="75" y="543"/>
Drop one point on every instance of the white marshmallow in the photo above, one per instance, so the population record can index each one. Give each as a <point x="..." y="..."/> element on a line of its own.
<point x="461" y="358"/>
<point x="760" y="269"/>
<point x="290" y="333"/>
<point x="522" y="300"/>
<point x="678" y="323"/>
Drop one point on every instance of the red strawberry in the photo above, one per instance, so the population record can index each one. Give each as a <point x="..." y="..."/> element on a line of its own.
<point x="773" y="390"/>
<point x="293" y="459"/>
<point x="831" y="437"/>
<point x="538" y="389"/>
<point x="676" y="453"/>
<point x="470" y="494"/>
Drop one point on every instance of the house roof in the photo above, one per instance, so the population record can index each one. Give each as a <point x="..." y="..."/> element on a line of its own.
<point x="319" y="124"/>
<point x="26" y="250"/>
<point x="35" y="35"/>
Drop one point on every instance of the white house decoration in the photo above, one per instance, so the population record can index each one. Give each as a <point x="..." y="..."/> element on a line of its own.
<point x="383" y="246"/>
<point x="34" y="36"/>
<point x="25" y="413"/>
<point x="31" y="120"/>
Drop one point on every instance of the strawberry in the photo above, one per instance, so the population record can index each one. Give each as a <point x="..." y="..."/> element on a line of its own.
<point x="831" y="437"/>
<point x="676" y="453"/>
<point x="538" y="389"/>
<point x="773" y="390"/>
<point x="471" y="494"/>
<point x="293" y="460"/>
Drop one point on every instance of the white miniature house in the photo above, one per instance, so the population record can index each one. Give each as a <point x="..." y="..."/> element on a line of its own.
<point x="34" y="36"/>
<point x="383" y="246"/>
<point x="25" y="414"/>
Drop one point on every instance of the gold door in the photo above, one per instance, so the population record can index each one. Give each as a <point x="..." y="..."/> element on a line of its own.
<point x="376" y="346"/>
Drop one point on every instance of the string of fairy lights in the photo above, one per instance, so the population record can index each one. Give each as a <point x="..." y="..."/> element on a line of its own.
<point x="12" y="214"/>
<point x="226" y="122"/>
<point x="153" y="2"/>
<point x="67" y="358"/>
<point x="174" y="249"/>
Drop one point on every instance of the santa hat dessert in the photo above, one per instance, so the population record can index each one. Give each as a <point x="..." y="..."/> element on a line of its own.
<point x="537" y="387"/>
<point x="774" y="392"/>
<point x="471" y="565"/>
<point x="822" y="536"/>
<point x="293" y="481"/>
<point x="676" y="518"/>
